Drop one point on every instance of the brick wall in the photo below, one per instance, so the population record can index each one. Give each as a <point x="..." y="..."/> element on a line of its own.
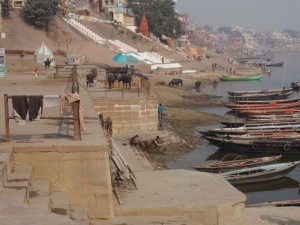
<point x="129" y="115"/>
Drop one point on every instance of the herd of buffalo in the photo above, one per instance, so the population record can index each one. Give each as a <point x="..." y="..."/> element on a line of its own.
<point x="124" y="75"/>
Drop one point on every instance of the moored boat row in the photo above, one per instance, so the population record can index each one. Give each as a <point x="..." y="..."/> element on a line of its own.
<point x="270" y="126"/>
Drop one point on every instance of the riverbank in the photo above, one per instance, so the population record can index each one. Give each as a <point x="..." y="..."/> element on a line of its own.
<point x="182" y="114"/>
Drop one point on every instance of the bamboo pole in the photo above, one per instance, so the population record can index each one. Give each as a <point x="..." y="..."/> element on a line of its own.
<point x="6" y="117"/>
<point x="77" y="131"/>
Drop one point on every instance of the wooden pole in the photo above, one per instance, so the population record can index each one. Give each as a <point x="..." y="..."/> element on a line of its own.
<point x="6" y="117"/>
<point x="56" y="74"/>
<point x="77" y="131"/>
<point x="138" y="89"/>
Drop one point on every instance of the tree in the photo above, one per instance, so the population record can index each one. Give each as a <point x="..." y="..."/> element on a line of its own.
<point x="5" y="7"/>
<point x="160" y="14"/>
<point x="39" y="12"/>
<point x="229" y="31"/>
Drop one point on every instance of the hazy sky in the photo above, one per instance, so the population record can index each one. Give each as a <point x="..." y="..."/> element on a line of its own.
<point x="261" y="14"/>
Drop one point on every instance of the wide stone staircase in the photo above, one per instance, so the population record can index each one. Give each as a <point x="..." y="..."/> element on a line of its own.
<point x="27" y="200"/>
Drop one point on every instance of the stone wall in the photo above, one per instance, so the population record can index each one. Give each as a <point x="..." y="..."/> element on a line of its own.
<point x="81" y="171"/>
<point x="129" y="115"/>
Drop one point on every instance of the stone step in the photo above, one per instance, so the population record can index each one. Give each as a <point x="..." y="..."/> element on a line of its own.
<point x="3" y="174"/>
<point x="78" y="213"/>
<point x="6" y="156"/>
<point x="20" y="178"/>
<point x="59" y="203"/>
<point x="145" y="220"/>
<point x="16" y="195"/>
<point x="39" y="195"/>
<point x="16" y="213"/>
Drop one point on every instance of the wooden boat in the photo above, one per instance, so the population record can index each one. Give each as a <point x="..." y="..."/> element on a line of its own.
<point x="260" y="173"/>
<point x="262" y="96"/>
<point x="259" y="126"/>
<point x="274" y="63"/>
<point x="266" y="101"/>
<point x="236" y="164"/>
<point x="250" y="136"/>
<point x="260" y="145"/>
<point x="269" y="107"/>
<point x="258" y="112"/>
<point x="241" y="77"/>
<point x="256" y="133"/>
<point x="274" y="117"/>
<point x="236" y="93"/>
<point x="295" y="86"/>
<point x="288" y="203"/>
<point x="274" y="103"/>
<point x="240" y="123"/>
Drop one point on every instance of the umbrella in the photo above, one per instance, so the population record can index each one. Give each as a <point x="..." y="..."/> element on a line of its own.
<point x="124" y="59"/>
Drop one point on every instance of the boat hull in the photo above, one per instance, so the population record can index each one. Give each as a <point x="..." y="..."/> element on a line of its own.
<point x="236" y="164"/>
<point x="235" y="93"/>
<point x="241" y="78"/>
<point x="271" y="96"/>
<point x="259" y="174"/>
<point x="275" y="63"/>
<point x="262" y="146"/>
<point x="267" y="101"/>
<point x="234" y="124"/>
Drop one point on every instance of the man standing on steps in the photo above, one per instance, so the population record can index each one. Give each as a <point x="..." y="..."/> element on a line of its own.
<point x="161" y="110"/>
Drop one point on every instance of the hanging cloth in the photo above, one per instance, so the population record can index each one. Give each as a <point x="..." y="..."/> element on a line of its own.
<point x="66" y="103"/>
<point x="51" y="101"/>
<point x="20" y="105"/>
<point x="35" y="107"/>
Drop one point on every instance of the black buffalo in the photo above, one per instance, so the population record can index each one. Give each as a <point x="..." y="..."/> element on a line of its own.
<point x="47" y="63"/>
<point x="175" y="83"/>
<point x="117" y="70"/>
<point x="198" y="85"/>
<point x="90" y="79"/>
<point x="111" y="78"/>
<point x="126" y="79"/>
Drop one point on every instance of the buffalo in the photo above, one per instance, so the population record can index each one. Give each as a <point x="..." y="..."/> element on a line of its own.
<point x="175" y="83"/>
<point x="47" y="63"/>
<point x="117" y="70"/>
<point x="126" y="79"/>
<point x="198" y="85"/>
<point x="111" y="78"/>
<point x="89" y="80"/>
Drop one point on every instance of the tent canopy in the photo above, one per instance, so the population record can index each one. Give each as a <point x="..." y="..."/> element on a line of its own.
<point x="124" y="59"/>
<point x="42" y="53"/>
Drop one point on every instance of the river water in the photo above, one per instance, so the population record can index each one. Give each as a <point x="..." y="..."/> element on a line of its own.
<point x="282" y="189"/>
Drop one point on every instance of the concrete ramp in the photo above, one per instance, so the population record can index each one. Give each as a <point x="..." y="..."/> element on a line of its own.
<point x="202" y="197"/>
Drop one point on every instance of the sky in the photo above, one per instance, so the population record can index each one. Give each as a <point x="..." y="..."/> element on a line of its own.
<point x="259" y="14"/>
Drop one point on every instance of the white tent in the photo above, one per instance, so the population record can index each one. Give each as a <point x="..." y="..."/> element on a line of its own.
<point x="42" y="53"/>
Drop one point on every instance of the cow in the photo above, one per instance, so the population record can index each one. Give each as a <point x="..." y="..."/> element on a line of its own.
<point x="175" y="83"/>
<point x="198" y="85"/>
<point x="126" y="79"/>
